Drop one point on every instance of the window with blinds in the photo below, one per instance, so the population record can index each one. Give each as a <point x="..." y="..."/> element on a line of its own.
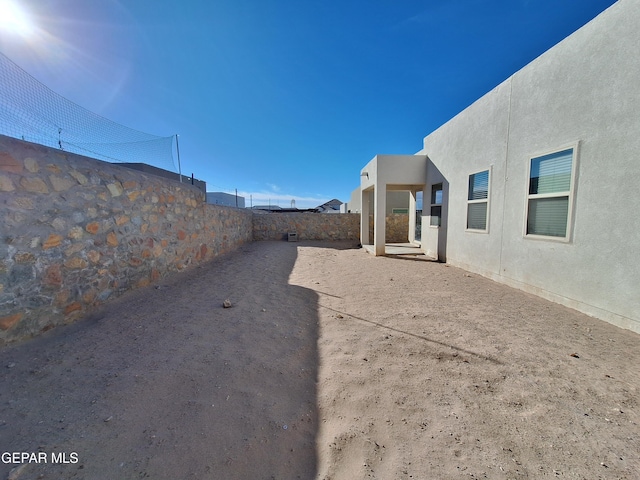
<point x="549" y="199"/>
<point x="478" y="201"/>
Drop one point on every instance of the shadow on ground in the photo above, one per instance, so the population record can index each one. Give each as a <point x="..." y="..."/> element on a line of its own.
<point x="165" y="383"/>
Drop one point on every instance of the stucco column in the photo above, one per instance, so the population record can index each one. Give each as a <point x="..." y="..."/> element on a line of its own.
<point x="412" y="216"/>
<point x="364" y="217"/>
<point x="380" y="209"/>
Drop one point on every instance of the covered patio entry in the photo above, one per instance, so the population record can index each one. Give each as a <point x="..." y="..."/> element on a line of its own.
<point x="389" y="173"/>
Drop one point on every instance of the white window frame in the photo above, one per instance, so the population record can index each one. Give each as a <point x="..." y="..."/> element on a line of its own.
<point x="570" y="194"/>
<point x="482" y="200"/>
<point x="431" y="198"/>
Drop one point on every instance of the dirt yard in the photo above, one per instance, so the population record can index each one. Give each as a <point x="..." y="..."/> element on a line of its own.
<point x="330" y="364"/>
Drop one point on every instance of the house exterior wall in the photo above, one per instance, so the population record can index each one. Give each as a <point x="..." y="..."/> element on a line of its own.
<point x="404" y="170"/>
<point x="479" y="143"/>
<point x="584" y="92"/>
<point x="397" y="200"/>
<point x="354" y="204"/>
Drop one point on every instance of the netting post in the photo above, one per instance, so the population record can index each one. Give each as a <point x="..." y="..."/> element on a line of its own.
<point x="179" y="167"/>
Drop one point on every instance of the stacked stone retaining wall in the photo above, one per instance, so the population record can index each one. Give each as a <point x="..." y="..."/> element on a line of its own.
<point x="307" y="226"/>
<point x="396" y="228"/>
<point x="75" y="232"/>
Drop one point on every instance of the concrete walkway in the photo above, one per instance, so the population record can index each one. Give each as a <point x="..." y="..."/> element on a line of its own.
<point x="397" y="249"/>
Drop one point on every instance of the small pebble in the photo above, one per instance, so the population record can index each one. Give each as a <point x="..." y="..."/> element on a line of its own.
<point x="16" y="472"/>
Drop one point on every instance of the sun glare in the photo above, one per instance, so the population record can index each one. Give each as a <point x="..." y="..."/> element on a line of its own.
<point x="14" y="19"/>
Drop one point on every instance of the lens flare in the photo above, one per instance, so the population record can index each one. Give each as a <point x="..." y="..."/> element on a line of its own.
<point x="15" y="19"/>
<point x="82" y="50"/>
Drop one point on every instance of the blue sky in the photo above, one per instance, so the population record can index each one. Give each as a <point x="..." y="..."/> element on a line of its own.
<point x="284" y="99"/>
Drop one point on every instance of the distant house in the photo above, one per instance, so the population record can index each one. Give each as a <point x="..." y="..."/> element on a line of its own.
<point x="267" y="208"/>
<point x="278" y="209"/>
<point x="534" y="184"/>
<point x="332" y="206"/>
<point x="226" y="199"/>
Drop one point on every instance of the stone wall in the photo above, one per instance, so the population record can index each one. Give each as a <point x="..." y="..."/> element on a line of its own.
<point x="396" y="228"/>
<point x="75" y="232"/>
<point x="308" y="226"/>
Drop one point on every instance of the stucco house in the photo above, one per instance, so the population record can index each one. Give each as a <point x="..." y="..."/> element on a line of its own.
<point x="533" y="185"/>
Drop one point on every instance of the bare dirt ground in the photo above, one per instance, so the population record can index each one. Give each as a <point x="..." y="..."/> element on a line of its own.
<point x="330" y="364"/>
